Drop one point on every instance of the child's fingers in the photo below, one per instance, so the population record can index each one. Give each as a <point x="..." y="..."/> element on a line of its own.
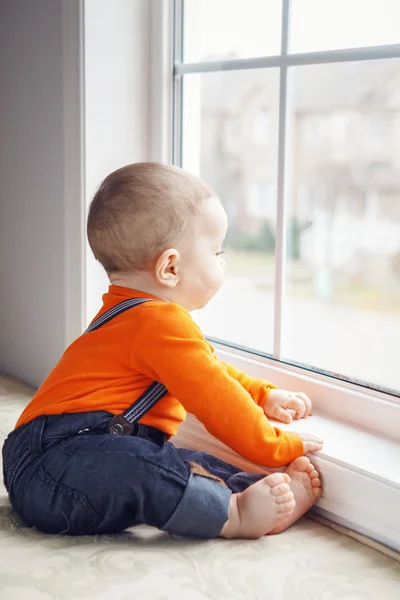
<point x="310" y="437"/>
<point x="282" y="415"/>
<point x="307" y="403"/>
<point x="311" y="442"/>
<point x="310" y="447"/>
<point x="298" y="405"/>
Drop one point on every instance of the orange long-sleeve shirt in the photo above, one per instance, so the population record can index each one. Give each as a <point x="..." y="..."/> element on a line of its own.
<point x="109" y="368"/>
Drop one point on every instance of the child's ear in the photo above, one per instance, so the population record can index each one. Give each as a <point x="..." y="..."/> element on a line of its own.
<point x="167" y="270"/>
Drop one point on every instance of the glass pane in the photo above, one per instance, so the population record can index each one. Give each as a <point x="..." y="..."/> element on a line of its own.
<point x="223" y="29"/>
<point x="342" y="302"/>
<point x="335" y="24"/>
<point x="230" y="139"/>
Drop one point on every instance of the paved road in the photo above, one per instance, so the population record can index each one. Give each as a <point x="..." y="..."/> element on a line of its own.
<point x="354" y="342"/>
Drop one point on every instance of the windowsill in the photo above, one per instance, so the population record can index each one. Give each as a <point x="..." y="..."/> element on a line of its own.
<point x="338" y="401"/>
<point x="360" y="473"/>
<point x="367" y="453"/>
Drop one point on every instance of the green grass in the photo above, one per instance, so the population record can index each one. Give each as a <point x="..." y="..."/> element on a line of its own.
<point x="240" y="263"/>
<point x="261" y="266"/>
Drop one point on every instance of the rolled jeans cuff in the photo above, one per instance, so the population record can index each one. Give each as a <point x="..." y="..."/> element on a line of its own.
<point x="203" y="509"/>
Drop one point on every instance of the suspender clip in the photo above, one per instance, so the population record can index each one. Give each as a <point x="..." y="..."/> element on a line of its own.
<point x="120" y="426"/>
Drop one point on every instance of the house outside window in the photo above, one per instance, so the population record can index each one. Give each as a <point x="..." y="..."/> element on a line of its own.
<point x="262" y="127"/>
<point x="261" y="200"/>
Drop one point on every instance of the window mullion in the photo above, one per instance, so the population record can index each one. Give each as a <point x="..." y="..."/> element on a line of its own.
<point x="319" y="57"/>
<point x="280" y="245"/>
<point x="177" y="84"/>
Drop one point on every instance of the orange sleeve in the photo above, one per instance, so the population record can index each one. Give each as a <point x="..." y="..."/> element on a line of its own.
<point x="169" y="347"/>
<point x="257" y="388"/>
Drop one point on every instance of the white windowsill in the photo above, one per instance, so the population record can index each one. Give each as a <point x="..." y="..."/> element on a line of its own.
<point x="360" y="473"/>
<point x="367" y="453"/>
<point x="360" y="467"/>
<point x="337" y="400"/>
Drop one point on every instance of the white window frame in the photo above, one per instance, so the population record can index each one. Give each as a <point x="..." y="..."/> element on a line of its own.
<point x="355" y="493"/>
<point x="282" y="61"/>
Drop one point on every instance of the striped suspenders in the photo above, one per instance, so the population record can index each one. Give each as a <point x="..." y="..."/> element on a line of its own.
<point x="124" y="423"/>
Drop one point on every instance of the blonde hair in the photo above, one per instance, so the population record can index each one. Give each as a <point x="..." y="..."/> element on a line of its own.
<point x="141" y="210"/>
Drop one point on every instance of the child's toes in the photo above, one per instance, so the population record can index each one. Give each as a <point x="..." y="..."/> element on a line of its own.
<point x="316" y="482"/>
<point x="288" y="497"/>
<point x="286" y="507"/>
<point x="282" y="488"/>
<point x="314" y="473"/>
<point x="317" y="491"/>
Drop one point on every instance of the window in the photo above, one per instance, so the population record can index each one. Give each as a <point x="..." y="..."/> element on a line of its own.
<point x="245" y="177"/>
<point x="332" y="24"/>
<point x="227" y="29"/>
<point x="317" y="126"/>
<point x="261" y="200"/>
<point x="378" y="128"/>
<point x="262" y="127"/>
<point x="314" y="241"/>
<point x="344" y="127"/>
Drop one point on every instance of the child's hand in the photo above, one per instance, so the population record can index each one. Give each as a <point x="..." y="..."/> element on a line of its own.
<point x="311" y="443"/>
<point x="279" y="401"/>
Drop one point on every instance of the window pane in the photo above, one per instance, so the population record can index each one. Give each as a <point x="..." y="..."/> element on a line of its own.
<point x="222" y="115"/>
<point x="342" y="302"/>
<point x="335" y="24"/>
<point x="223" y="29"/>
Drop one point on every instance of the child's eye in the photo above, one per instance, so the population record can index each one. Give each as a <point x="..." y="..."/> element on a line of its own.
<point x="221" y="252"/>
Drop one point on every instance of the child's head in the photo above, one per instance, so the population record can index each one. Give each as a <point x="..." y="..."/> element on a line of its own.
<point x="158" y="227"/>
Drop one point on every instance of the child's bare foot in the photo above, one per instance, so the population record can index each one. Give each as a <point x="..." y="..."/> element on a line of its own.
<point x="260" y="508"/>
<point x="306" y="487"/>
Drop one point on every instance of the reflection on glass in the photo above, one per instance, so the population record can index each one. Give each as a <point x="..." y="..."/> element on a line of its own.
<point x="335" y="24"/>
<point x="342" y="302"/>
<point x="230" y="133"/>
<point x="227" y="29"/>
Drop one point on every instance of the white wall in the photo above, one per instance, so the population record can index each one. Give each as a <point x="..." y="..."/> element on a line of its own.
<point x="40" y="277"/>
<point x="31" y="188"/>
<point x="117" y="128"/>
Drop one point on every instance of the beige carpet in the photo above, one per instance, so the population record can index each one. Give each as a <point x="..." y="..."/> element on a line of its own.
<point x="307" y="562"/>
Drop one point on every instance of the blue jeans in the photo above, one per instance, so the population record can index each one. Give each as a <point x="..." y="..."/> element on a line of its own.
<point x="66" y="474"/>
